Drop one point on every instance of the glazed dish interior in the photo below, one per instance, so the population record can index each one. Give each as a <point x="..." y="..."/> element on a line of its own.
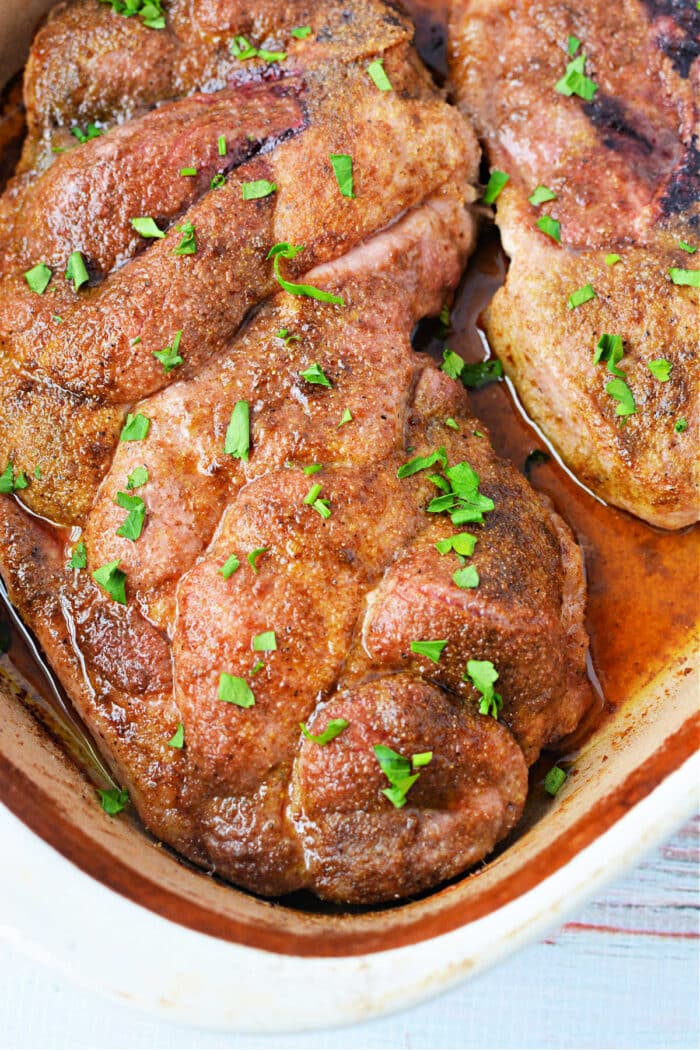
<point x="639" y="725"/>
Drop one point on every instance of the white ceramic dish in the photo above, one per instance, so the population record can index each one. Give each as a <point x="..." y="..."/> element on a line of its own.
<point x="194" y="951"/>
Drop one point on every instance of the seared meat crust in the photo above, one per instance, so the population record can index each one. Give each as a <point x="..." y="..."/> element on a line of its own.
<point x="345" y="591"/>
<point x="624" y="167"/>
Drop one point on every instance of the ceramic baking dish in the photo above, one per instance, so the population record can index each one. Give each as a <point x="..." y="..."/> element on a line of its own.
<point x="77" y="887"/>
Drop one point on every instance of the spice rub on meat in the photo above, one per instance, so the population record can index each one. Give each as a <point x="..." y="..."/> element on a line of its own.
<point x="317" y="628"/>
<point x="591" y="110"/>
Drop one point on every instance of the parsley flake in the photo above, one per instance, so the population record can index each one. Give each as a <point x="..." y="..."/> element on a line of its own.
<point x="132" y="526"/>
<point x="572" y="45"/>
<point x="177" y="740"/>
<point x="551" y="227"/>
<point x="11" y="482"/>
<point x="188" y="172"/>
<point x="377" y="74"/>
<point x="610" y="348"/>
<point x="691" y="278"/>
<point x="188" y="244"/>
<point x="497" y="180"/>
<point x="611" y="259"/>
<point x="91" y="132"/>
<point x="680" y="425"/>
<point x="135" y="428"/>
<point x="170" y="357"/>
<point x="111" y="578"/>
<point x="554" y="780"/>
<point x="78" y="558"/>
<point x="433" y="650"/>
<point x="575" y="82"/>
<point x="474" y="374"/>
<point x="146" y="227"/>
<point x="620" y="392"/>
<point x="76" y="270"/>
<point x="137" y="478"/>
<point x="423" y="463"/>
<point x="258" y="188"/>
<point x="462" y="543"/>
<point x="285" y="250"/>
<point x="581" y="296"/>
<point x="684" y="246"/>
<point x="266" y="642"/>
<point x="254" y="555"/>
<point x="482" y="674"/>
<point x="541" y="194"/>
<point x="345" y="418"/>
<point x="313" y="494"/>
<point x="113" y="800"/>
<point x="334" y="728"/>
<point x="313" y="468"/>
<point x="235" y="690"/>
<point x="38" y="278"/>
<point x="229" y="567"/>
<point x="342" y="169"/>
<point x="466" y="578"/>
<point x="315" y="374"/>
<point x="301" y="32"/>
<point x="461" y="498"/>
<point x="237" y="442"/>
<point x="397" y="769"/>
<point x="150" y="12"/>
<point x="660" y="369"/>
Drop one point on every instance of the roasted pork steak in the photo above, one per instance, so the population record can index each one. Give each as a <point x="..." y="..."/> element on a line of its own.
<point x="591" y="110"/>
<point x="317" y="627"/>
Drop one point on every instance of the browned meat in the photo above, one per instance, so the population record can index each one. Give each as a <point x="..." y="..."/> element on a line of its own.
<point x="622" y="168"/>
<point x="287" y="584"/>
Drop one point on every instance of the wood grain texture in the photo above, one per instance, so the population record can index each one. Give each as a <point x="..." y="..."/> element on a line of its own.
<point x="622" y="973"/>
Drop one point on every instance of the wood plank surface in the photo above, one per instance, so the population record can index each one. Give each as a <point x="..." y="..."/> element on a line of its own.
<point x="622" y="973"/>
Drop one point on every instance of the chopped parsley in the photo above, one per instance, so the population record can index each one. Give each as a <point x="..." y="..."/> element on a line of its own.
<point x="188" y="171"/>
<point x="554" y="780"/>
<point x="398" y="771"/>
<point x="188" y="244"/>
<point x="137" y="478"/>
<point x="285" y="250"/>
<point x="611" y="259"/>
<point x="345" y="418"/>
<point x="38" y="277"/>
<point x="132" y="526"/>
<point x="76" y="271"/>
<point x="680" y="425"/>
<point x="113" y="800"/>
<point x="242" y="49"/>
<point x="91" y="132"/>
<point x="146" y="226"/>
<point x="609" y="348"/>
<point x="254" y="555"/>
<point x="258" y="188"/>
<point x="462" y="543"/>
<point x="313" y="494"/>
<point x="660" y="369"/>
<point x="684" y="246"/>
<point x="581" y="296"/>
<point x="451" y="423"/>
<point x="377" y="74"/>
<point x="685" y="277"/>
<point x="466" y="578"/>
<point x="575" y="82"/>
<point x="551" y="227"/>
<point x="473" y="375"/>
<point x="135" y="428"/>
<point x="170" y="357"/>
<point x="257" y="666"/>
<point x="265" y="642"/>
<point x="78" y="558"/>
<point x="313" y="468"/>
<point x="285" y="336"/>
<point x="229" y="567"/>
<point x="301" y="32"/>
<point x="315" y="374"/>
<point x="423" y="463"/>
<point x="334" y="728"/>
<point x="218" y="181"/>
<point x="541" y="194"/>
<point x="237" y="442"/>
<point x="150" y="12"/>
<point x="221" y="145"/>
<point x="111" y="578"/>
<point x="11" y="482"/>
<point x="572" y="45"/>
<point x="37" y="472"/>
<point x="433" y="650"/>
<point x="235" y="690"/>
<point x="177" y="740"/>
<point x="497" y="180"/>
<point x="620" y="392"/>
<point x="461" y="498"/>
<point x="271" y="56"/>
<point x="342" y="169"/>
<point x="482" y="674"/>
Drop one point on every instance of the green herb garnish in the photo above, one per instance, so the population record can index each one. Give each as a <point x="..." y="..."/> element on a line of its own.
<point x="285" y="250"/>
<point x="111" y="578"/>
<point x="38" y="278"/>
<point x="114" y="799"/>
<point x="554" y="780"/>
<point x="135" y="428"/>
<point x="466" y="578"/>
<point x="482" y="674"/>
<point x="377" y="74"/>
<point x="334" y="728"/>
<point x="237" y="442"/>
<point x="137" y="478"/>
<point x="660" y="369"/>
<point x="551" y="227"/>
<point x="76" y="270"/>
<point x="433" y="650"/>
<point x="575" y="82"/>
<point x="315" y="374"/>
<point x="342" y="169"/>
<point x="132" y="526"/>
<point x="497" y="180"/>
<point x="170" y="357"/>
<point x="235" y="690"/>
<point x="619" y="390"/>
<point x="177" y="740"/>
<point x="691" y="278"/>
<point x="397" y="770"/>
<point x="146" y="227"/>
<point x="423" y="463"/>
<point x="581" y="296"/>
<point x="188" y="244"/>
<point x="609" y="348"/>
<point x="541" y="194"/>
<point x="258" y="188"/>
<point x="254" y="555"/>
<point x="78" y="558"/>
<point x="229" y="566"/>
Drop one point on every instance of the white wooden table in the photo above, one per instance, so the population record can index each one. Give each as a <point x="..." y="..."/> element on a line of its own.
<point x="625" y="972"/>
